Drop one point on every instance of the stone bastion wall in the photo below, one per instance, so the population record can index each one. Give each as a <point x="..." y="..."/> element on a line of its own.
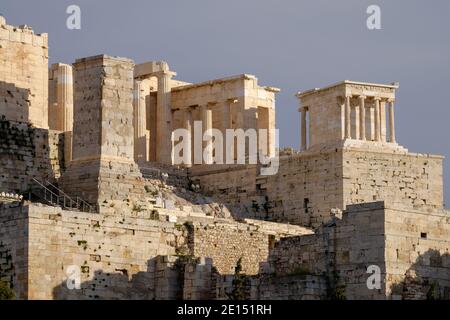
<point x="129" y="256"/>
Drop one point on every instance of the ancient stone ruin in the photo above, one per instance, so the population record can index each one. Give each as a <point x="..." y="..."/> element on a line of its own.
<point x="93" y="206"/>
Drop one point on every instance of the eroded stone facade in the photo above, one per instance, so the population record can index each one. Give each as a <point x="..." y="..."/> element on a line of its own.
<point x="93" y="208"/>
<point x="23" y="75"/>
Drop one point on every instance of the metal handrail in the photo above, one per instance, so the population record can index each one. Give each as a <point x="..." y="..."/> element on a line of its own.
<point x="63" y="199"/>
<point x="80" y="203"/>
<point x="62" y="194"/>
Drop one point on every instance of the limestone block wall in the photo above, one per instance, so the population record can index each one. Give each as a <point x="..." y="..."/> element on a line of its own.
<point x="303" y="191"/>
<point x="133" y="255"/>
<point x="115" y="256"/>
<point x="232" y="186"/>
<point x="325" y="115"/>
<point x="341" y="252"/>
<point x="87" y="76"/>
<point x="291" y="287"/>
<point x="400" y="179"/>
<point x="305" y="188"/>
<point x="200" y="280"/>
<point x="409" y="246"/>
<point x="103" y="167"/>
<point x="26" y="153"/>
<point x="103" y="113"/>
<point x="225" y="244"/>
<point x="140" y="255"/>
<point x="309" y="184"/>
<point x="23" y="75"/>
<point x="417" y="253"/>
<point x="14" y="248"/>
<point x="97" y="181"/>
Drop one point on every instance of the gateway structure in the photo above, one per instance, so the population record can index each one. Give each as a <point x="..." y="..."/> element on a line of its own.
<point x="89" y="194"/>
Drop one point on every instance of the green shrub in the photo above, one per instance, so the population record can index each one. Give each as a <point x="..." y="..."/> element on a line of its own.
<point x="238" y="292"/>
<point x="6" y="293"/>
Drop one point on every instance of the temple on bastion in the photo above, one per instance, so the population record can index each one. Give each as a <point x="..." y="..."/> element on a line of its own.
<point x="94" y="205"/>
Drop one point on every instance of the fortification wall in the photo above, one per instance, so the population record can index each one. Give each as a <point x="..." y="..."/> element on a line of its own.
<point x="26" y="153"/>
<point x="303" y="191"/>
<point x="134" y="255"/>
<point x="201" y="281"/>
<point x="308" y="185"/>
<point x="291" y="287"/>
<point x="23" y="75"/>
<point x="401" y="179"/>
<point x="115" y="256"/>
<point x="341" y="251"/>
<point x="144" y="256"/>
<point x="14" y="249"/>
<point x="417" y="253"/>
<point x="219" y="242"/>
<point x="409" y="246"/>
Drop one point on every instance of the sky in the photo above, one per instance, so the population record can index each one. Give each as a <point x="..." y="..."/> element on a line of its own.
<point x="294" y="45"/>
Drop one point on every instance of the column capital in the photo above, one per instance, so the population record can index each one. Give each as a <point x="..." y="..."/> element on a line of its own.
<point x="232" y="100"/>
<point x="361" y="96"/>
<point x="303" y="108"/>
<point x="377" y="98"/>
<point x="138" y="87"/>
<point x="164" y="73"/>
<point x="205" y="106"/>
<point x="390" y="100"/>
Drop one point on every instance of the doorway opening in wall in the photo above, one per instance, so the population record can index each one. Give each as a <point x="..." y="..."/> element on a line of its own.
<point x="306" y="205"/>
<point x="272" y="241"/>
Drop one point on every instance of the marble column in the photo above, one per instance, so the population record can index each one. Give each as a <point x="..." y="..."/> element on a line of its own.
<point x="164" y="118"/>
<point x="189" y="126"/>
<point x="65" y="107"/>
<point x="303" y="140"/>
<point x="65" y="97"/>
<point x="383" y="120"/>
<point x="140" y="127"/>
<point x="391" y="121"/>
<point x="271" y="140"/>
<point x="348" y="124"/>
<point x="356" y="121"/>
<point x="227" y="123"/>
<point x="377" y="120"/>
<point x="362" y="118"/>
<point x="206" y="113"/>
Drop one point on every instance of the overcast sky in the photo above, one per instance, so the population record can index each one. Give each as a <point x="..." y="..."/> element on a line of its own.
<point x="291" y="44"/>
